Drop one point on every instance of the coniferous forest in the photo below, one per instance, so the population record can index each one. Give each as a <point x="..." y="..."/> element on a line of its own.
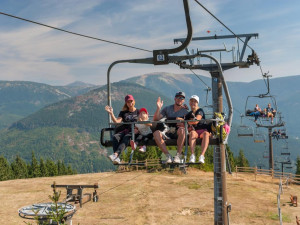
<point x="19" y="169"/>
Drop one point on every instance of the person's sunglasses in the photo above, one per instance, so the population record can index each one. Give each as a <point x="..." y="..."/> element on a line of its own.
<point x="181" y="98"/>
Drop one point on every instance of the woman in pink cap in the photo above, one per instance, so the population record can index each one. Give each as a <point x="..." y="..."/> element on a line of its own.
<point x="122" y="138"/>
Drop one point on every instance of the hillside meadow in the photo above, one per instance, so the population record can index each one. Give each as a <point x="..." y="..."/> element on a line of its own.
<point x="156" y="198"/>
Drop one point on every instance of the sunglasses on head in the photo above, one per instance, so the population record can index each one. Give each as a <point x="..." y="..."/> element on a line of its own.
<point x="180" y="97"/>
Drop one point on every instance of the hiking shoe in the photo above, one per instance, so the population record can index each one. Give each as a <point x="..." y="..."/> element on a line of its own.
<point x="169" y="159"/>
<point x="132" y="144"/>
<point x="142" y="149"/>
<point x="176" y="158"/>
<point x="117" y="160"/>
<point x="112" y="157"/>
<point x="192" y="158"/>
<point x="201" y="159"/>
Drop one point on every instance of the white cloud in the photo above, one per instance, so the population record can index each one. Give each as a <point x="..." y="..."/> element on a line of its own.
<point x="32" y="52"/>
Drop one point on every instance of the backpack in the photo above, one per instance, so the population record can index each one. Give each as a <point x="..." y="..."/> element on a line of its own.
<point x="215" y="127"/>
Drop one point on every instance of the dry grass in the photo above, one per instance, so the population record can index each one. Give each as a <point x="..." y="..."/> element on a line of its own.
<point x="156" y="198"/>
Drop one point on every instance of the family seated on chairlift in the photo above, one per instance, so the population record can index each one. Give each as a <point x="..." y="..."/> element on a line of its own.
<point x="143" y="131"/>
<point x="278" y="134"/>
<point x="268" y="112"/>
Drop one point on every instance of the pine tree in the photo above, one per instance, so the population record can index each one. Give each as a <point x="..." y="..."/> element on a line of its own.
<point x="43" y="168"/>
<point x="34" y="167"/>
<point x="241" y="160"/>
<point x="5" y="169"/>
<point x="51" y="168"/>
<point x="69" y="170"/>
<point x="298" y="166"/>
<point x="19" y="168"/>
<point x="61" y="168"/>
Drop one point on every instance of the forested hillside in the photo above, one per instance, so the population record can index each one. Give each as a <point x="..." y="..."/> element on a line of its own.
<point x="69" y="130"/>
<point x="22" y="98"/>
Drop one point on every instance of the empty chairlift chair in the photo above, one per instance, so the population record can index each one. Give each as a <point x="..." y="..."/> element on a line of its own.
<point x="244" y="130"/>
<point x="259" y="137"/>
<point x="266" y="154"/>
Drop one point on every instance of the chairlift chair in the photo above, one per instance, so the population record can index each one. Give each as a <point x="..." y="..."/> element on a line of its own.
<point x="285" y="152"/>
<point x="164" y="57"/>
<point x="283" y="134"/>
<point x="244" y="130"/>
<point x="257" y="100"/>
<point x="259" y="137"/>
<point x="285" y="145"/>
<point x="265" y="154"/>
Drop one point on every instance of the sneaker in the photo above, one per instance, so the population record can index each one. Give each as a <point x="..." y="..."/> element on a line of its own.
<point x="192" y="158"/>
<point x="142" y="149"/>
<point x="176" y="158"/>
<point x="201" y="159"/>
<point x="132" y="144"/>
<point x="112" y="157"/>
<point x="117" y="160"/>
<point x="169" y="159"/>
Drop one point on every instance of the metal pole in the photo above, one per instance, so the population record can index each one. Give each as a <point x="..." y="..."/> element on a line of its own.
<point x="220" y="192"/>
<point x="271" y="162"/>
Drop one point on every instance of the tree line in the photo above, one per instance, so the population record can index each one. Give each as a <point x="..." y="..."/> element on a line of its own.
<point x="19" y="169"/>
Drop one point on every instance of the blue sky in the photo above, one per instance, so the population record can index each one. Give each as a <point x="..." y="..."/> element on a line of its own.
<point x="34" y="53"/>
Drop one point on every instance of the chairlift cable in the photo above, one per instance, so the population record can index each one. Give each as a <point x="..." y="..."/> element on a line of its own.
<point x="120" y="184"/>
<point x="70" y="32"/>
<point x="209" y="88"/>
<point x="222" y="23"/>
<point x="262" y="74"/>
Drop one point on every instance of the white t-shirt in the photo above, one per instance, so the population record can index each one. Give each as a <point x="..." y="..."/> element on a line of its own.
<point x="143" y="129"/>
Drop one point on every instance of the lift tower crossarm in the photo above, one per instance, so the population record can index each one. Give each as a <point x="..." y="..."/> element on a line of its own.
<point x="218" y="37"/>
<point x="225" y="66"/>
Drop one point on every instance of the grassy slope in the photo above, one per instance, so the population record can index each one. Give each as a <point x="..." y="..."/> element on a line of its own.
<point x="156" y="198"/>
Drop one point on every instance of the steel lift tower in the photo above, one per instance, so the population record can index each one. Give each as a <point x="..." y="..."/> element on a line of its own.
<point x="221" y="205"/>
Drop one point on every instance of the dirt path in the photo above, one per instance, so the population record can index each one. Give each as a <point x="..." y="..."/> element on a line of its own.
<point x="156" y="198"/>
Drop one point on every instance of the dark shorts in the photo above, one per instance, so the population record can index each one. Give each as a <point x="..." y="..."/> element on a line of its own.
<point x="201" y="131"/>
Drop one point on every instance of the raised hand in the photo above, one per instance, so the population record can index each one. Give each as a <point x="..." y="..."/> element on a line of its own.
<point x="159" y="103"/>
<point x="109" y="109"/>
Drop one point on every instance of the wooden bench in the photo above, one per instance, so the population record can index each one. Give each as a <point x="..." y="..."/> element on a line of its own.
<point x="79" y="196"/>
